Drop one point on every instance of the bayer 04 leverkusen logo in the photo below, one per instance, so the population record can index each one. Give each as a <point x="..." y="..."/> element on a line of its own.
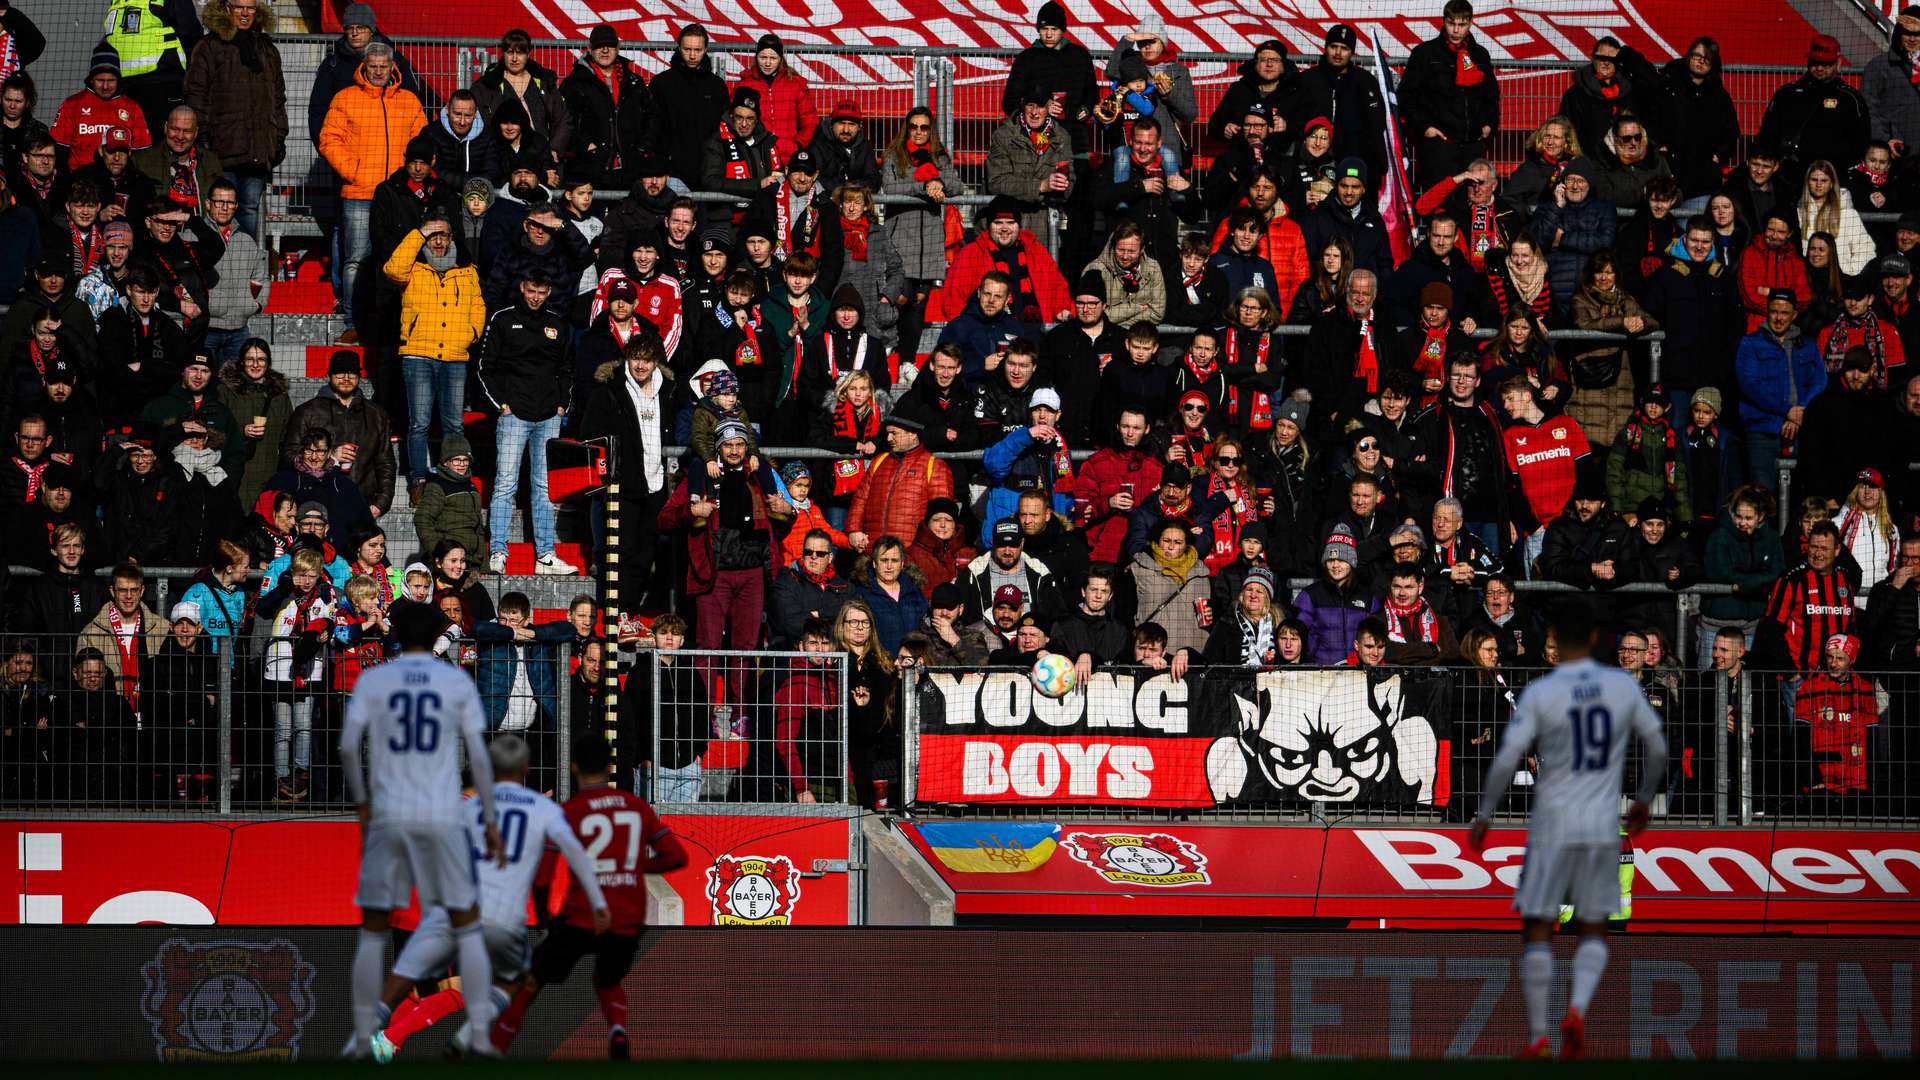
<point x="1155" y="859"/>
<point x="753" y="890"/>
<point x="227" y="1000"/>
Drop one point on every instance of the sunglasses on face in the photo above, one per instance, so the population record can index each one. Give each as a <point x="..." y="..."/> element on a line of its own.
<point x="817" y="554"/>
<point x="1227" y="461"/>
<point x="1193" y="408"/>
<point x="919" y="127"/>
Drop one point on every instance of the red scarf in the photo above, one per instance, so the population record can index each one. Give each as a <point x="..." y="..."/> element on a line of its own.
<point x="1201" y="375"/>
<point x="1465" y="72"/>
<point x="1864" y="331"/>
<point x="797" y="232"/>
<point x="1431" y="361"/>
<point x="181" y="179"/>
<point x="34" y="472"/>
<point x="738" y="168"/>
<point x="130" y="649"/>
<point x="849" y="424"/>
<point x="748" y="353"/>
<point x="1483" y="234"/>
<point x="855" y="235"/>
<point x="382" y="582"/>
<point x="423" y="190"/>
<point x="1226" y="524"/>
<point x="1260" y="353"/>
<point x="41" y="360"/>
<point x="1366" y="362"/>
<point x="1418" y="616"/>
<point x="1610" y="89"/>
<point x="1041" y="138"/>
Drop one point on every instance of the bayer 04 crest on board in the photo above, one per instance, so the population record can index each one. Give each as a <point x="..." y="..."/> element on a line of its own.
<point x="1054" y="675"/>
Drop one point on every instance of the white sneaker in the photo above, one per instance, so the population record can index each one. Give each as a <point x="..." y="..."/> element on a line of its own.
<point x="722" y="722"/>
<point x="553" y="564"/>
<point x="497" y="562"/>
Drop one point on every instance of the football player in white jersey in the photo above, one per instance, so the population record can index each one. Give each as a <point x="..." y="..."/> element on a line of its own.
<point x="413" y="825"/>
<point x="1576" y="721"/>
<point x="529" y="821"/>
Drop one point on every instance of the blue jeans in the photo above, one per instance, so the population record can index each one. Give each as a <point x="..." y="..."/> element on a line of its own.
<point x="510" y="441"/>
<point x="431" y="383"/>
<point x="1530" y="546"/>
<point x="672" y="785"/>
<point x="1763" y="464"/>
<point x="251" y="186"/>
<point x="356" y="243"/>
<point x="224" y="345"/>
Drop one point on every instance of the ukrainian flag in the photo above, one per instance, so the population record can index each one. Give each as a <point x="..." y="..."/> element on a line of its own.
<point x="991" y="847"/>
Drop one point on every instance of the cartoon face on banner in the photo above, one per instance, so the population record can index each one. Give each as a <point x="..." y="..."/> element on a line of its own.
<point x="753" y="890"/>
<point x="1341" y="736"/>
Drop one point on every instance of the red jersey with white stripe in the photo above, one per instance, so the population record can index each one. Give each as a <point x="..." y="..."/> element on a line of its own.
<point x="617" y="827"/>
<point x="86" y="117"/>
<point x="1544" y="456"/>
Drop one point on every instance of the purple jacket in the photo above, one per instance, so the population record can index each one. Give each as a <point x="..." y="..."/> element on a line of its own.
<point x="1331" y="619"/>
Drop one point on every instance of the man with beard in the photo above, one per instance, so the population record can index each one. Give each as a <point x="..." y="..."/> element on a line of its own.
<point x="1030" y="160"/>
<point x="1779" y="373"/>
<point x="30" y="530"/>
<point x="1146" y="185"/>
<point x="511" y="207"/>
<point x="1252" y="149"/>
<point x="1586" y="546"/>
<point x="1006" y="565"/>
<point x="74" y="430"/>
<point x="360" y="431"/>
<point x="460" y="149"/>
<point x="842" y="149"/>
<point x="696" y="99"/>
<point x="1341" y="91"/>
<point x="985" y="328"/>
<point x="642" y="212"/>
<point x="1061" y="69"/>
<point x="1352" y="217"/>
<point x="611" y="110"/>
<point x="1003" y="245"/>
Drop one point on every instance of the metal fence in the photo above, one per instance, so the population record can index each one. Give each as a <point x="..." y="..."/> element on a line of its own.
<point x="1755" y="747"/>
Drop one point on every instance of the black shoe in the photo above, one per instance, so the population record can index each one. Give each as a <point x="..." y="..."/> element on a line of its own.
<point x="617" y="1047"/>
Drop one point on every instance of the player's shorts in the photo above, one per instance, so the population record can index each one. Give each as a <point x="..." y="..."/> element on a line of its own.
<point x="435" y="859"/>
<point x="565" y="944"/>
<point x="1584" y="875"/>
<point x="432" y="948"/>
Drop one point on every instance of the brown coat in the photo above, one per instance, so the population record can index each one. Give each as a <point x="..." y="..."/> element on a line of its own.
<point x="892" y="500"/>
<point x="99" y="635"/>
<point x="243" y="113"/>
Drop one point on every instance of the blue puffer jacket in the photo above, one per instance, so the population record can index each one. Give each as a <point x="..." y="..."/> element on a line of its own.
<point x="894" y="619"/>
<point x="494" y="673"/>
<point x="222" y="611"/>
<point x="1776" y="374"/>
<point x="1016" y="464"/>
<point x="1332" y="618"/>
<point x="979" y="336"/>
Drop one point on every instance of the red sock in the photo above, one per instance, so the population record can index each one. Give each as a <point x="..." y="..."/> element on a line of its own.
<point x="613" y="1006"/>
<point x="507" y="1027"/>
<point x="413" y="1017"/>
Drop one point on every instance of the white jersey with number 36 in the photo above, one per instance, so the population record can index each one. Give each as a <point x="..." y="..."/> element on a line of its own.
<point x="415" y="711"/>
<point x="1577" y="719"/>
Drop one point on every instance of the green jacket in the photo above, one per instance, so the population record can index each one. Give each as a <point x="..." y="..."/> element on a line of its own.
<point x="247" y="399"/>
<point x="777" y="317"/>
<point x="451" y="509"/>
<point x="1751" y="563"/>
<point x="1639" y="472"/>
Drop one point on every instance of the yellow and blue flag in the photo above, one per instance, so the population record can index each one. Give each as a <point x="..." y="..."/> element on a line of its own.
<point x="991" y="847"/>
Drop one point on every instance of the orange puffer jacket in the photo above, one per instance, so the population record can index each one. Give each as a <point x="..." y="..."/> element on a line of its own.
<point x="894" y="497"/>
<point x="366" y="132"/>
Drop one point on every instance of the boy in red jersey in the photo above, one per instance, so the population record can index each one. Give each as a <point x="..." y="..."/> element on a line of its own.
<point x="1543" y="455"/>
<point x="618" y="829"/>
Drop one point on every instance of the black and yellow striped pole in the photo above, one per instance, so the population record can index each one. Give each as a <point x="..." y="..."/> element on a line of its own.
<point x="610" y="613"/>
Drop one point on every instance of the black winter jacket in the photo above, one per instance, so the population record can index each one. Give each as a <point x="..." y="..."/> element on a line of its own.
<point x="690" y="103"/>
<point x="607" y="137"/>
<point x="526" y="361"/>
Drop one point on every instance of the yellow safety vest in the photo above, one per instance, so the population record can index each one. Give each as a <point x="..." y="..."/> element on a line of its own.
<point x="1626" y="887"/>
<point x="141" y="37"/>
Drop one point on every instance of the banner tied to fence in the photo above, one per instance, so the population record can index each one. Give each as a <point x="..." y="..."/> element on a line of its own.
<point x="1220" y="737"/>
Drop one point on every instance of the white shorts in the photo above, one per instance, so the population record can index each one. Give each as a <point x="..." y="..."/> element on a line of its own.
<point x="435" y="859"/>
<point x="431" y="949"/>
<point x="1584" y="875"/>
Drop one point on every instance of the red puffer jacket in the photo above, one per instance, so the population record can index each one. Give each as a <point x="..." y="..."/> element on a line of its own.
<point x="1762" y="269"/>
<point x="893" y="499"/>
<point x="786" y="108"/>
<point x="1103" y="476"/>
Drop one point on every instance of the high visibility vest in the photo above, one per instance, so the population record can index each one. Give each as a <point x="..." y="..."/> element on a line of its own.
<point x="141" y="37"/>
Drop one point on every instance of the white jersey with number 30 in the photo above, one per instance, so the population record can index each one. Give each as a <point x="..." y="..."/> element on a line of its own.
<point x="1576" y="719"/>
<point x="415" y="711"/>
<point x="529" y="821"/>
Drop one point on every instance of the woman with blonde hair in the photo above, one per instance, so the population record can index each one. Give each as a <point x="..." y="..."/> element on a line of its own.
<point x="1867" y="530"/>
<point x="849" y="424"/>
<point x="869" y="265"/>
<point x="1826" y="207"/>
<point x="873" y="734"/>
<point x="1550" y="148"/>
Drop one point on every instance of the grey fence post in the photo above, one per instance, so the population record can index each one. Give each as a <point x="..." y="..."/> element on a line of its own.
<point x="653" y="770"/>
<point x="847" y="794"/>
<point x="225" y="778"/>
<point x="1653" y="359"/>
<point x="1683" y="611"/>
<point x="1720" y="771"/>
<point x="943" y="105"/>
<point x="563" y="723"/>
<point x="1786" y="491"/>
<point x="922" y="79"/>
<point x="910" y="723"/>
<point x="1746" y="747"/>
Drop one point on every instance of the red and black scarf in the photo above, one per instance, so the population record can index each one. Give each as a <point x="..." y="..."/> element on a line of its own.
<point x="130" y="646"/>
<point x="1862" y="330"/>
<point x="1465" y="71"/>
<point x="737" y="166"/>
<point x="1640" y="428"/>
<point x="1483" y="234"/>
<point x="1225" y="527"/>
<point x="1040" y="138"/>
<point x="181" y="181"/>
<point x="748" y="353"/>
<point x="88" y="245"/>
<point x="1366" y="360"/>
<point x="1025" y="300"/>
<point x="1415" y="622"/>
<point x="850" y="424"/>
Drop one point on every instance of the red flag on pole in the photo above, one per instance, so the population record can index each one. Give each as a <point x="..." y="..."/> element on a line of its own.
<point x="1396" y="198"/>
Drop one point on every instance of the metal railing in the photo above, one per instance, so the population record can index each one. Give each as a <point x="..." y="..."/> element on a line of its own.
<point x="1752" y="748"/>
<point x="734" y="727"/>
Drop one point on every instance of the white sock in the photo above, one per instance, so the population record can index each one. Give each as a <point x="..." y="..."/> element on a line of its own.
<point x="475" y="971"/>
<point x="369" y="960"/>
<point x="1536" y="979"/>
<point x="1589" y="963"/>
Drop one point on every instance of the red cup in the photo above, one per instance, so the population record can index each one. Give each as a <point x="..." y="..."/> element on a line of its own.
<point x="880" y="793"/>
<point x="1202" y="610"/>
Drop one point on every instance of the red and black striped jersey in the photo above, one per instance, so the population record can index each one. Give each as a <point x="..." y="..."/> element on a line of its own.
<point x="1810" y="606"/>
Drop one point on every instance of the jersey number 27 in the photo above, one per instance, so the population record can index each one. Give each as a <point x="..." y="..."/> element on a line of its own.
<point x="597" y="831"/>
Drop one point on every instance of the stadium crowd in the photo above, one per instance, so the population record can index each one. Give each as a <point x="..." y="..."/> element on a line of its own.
<point x="1162" y="450"/>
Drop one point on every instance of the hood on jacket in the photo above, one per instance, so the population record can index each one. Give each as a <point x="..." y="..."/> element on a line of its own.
<point x="217" y="17"/>
<point x="479" y="125"/>
<point x="233" y="375"/>
<point x="347" y="54"/>
<point x="610" y="372"/>
<point x="697" y="383"/>
<point x="360" y="81"/>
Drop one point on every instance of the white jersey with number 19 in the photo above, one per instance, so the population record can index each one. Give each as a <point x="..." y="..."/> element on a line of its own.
<point x="1577" y="719"/>
<point x="415" y="711"/>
